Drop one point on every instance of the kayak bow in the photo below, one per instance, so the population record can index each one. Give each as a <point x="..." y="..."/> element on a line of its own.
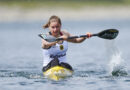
<point x="57" y="73"/>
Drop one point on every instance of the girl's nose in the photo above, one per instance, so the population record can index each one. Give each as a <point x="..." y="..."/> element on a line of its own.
<point x="55" y="29"/>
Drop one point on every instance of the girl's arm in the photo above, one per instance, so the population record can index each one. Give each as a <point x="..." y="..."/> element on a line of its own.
<point x="46" y="45"/>
<point x="75" y="40"/>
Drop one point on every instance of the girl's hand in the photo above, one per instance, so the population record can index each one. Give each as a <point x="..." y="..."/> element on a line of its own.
<point x="53" y="43"/>
<point x="89" y="34"/>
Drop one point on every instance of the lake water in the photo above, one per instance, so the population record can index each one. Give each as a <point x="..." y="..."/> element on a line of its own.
<point x="93" y="61"/>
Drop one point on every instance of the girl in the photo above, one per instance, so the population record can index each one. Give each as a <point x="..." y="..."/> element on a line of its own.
<point x="55" y="52"/>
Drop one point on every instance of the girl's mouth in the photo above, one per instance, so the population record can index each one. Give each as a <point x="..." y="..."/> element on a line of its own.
<point x="55" y="33"/>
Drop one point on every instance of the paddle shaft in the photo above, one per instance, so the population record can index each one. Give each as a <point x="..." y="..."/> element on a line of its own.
<point x="80" y="36"/>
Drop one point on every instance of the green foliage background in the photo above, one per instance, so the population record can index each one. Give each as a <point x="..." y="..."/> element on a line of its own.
<point x="62" y="3"/>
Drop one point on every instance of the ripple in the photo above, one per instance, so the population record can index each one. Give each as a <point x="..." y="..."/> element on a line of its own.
<point x="127" y="80"/>
<point x="89" y="73"/>
<point x="26" y="74"/>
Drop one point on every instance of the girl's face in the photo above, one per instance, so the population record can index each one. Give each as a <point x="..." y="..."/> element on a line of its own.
<point x="55" y="27"/>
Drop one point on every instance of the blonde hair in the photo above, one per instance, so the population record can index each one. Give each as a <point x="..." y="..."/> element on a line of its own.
<point x="53" y="18"/>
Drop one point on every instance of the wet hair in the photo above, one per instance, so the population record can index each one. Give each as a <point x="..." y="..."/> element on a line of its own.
<point x="53" y="18"/>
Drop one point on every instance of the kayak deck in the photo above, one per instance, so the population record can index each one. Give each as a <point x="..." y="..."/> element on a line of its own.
<point x="57" y="72"/>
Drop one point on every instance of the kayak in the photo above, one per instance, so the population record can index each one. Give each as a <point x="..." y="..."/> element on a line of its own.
<point x="57" y="73"/>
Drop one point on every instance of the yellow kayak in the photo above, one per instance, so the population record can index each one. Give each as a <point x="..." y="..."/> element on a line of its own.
<point x="57" y="73"/>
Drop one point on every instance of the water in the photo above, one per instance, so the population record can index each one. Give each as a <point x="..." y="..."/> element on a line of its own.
<point x="98" y="64"/>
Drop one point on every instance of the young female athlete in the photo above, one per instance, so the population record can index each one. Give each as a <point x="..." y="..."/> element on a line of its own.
<point x="54" y="53"/>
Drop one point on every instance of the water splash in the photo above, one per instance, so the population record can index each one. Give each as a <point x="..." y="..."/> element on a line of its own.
<point x="117" y="67"/>
<point x="116" y="64"/>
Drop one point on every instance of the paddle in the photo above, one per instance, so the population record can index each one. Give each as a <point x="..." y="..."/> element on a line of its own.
<point x="105" y="34"/>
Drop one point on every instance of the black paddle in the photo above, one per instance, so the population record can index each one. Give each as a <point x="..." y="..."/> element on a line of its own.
<point x="105" y="34"/>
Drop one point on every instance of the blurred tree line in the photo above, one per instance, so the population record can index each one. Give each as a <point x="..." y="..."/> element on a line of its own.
<point x="64" y="0"/>
<point x="62" y="3"/>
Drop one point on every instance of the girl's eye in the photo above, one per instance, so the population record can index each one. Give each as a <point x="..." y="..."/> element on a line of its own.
<point x="57" y="26"/>
<point x="52" y="27"/>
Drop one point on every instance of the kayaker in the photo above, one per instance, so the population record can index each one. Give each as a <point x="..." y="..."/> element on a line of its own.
<point x="54" y="53"/>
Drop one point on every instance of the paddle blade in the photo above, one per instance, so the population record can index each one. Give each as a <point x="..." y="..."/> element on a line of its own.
<point x="47" y="37"/>
<point x="108" y="34"/>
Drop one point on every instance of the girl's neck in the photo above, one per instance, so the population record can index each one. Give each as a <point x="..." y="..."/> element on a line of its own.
<point x="59" y="34"/>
